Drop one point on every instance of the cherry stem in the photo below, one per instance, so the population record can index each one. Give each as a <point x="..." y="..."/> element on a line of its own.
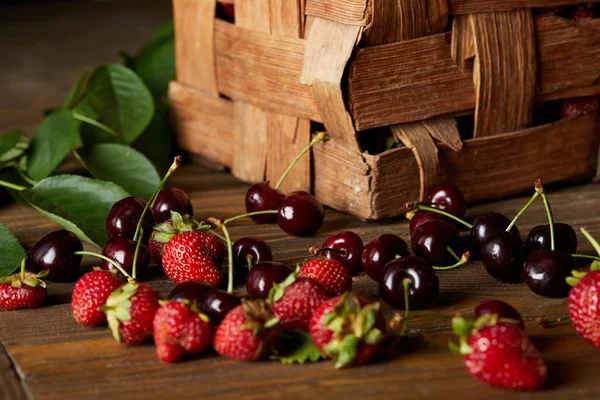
<point x="108" y="260"/>
<point x="585" y="256"/>
<point x="249" y="260"/>
<point x="23" y="269"/>
<point x="217" y="235"/>
<point x="315" y="251"/>
<point x="416" y="206"/>
<point x="229" y="258"/>
<point x="152" y="199"/>
<point x="227" y="221"/>
<point x="321" y="136"/>
<point x="539" y="188"/>
<point x="544" y="322"/>
<point x="135" y="255"/>
<point x="12" y="186"/>
<point x="591" y="239"/>
<point x="449" y="249"/>
<point x="406" y="283"/>
<point x="463" y="260"/>
<point x="525" y="207"/>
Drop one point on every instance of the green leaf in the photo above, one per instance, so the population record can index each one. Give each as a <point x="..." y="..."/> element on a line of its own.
<point x="8" y="141"/>
<point x="77" y="90"/>
<point x="298" y="347"/>
<point x="83" y="202"/>
<point x="346" y="351"/>
<point x="11" y="251"/>
<point x="155" y="65"/>
<point x="157" y="140"/>
<point x="164" y="31"/>
<point x="53" y="140"/>
<point x="121" y="100"/>
<point x="122" y="165"/>
<point x="8" y="158"/>
<point x="91" y="134"/>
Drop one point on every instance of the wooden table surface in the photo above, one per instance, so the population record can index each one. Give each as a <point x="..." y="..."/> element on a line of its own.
<point x="44" y="354"/>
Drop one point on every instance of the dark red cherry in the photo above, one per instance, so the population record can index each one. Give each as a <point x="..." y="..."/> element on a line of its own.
<point x="226" y="11"/>
<point x="545" y="272"/>
<point x="503" y="256"/>
<point x="422" y="217"/>
<point x="123" y="218"/>
<point x="431" y="240"/>
<point x="380" y="251"/>
<point x="501" y="309"/>
<point x="168" y="200"/>
<point x="249" y="250"/>
<point x="565" y="238"/>
<point x="448" y="198"/>
<point x="217" y="303"/>
<point x="345" y="247"/>
<point x="487" y="226"/>
<point x="262" y="197"/>
<point x="122" y="250"/>
<point x="424" y="284"/>
<point x="55" y="253"/>
<point x="300" y="214"/>
<point x="193" y="291"/>
<point x="262" y="277"/>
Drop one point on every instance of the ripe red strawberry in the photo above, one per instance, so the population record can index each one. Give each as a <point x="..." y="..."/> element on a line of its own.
<point x="22" y="290"/>
<point x="579" y="106"/>
<point x="247" y="332"/>
<point x="90" y="293"/>
<point x="130" y="312"/>
<point x="499" y="354"/>
<point x="348" y="329"/>
<point x="582" y="12"/>
<point x="194" y="256"/>
<point x="295" y="301"/>
<point x="180" y="329"/>
<point x="331" y="274"/>
<point x="583" y="310"/>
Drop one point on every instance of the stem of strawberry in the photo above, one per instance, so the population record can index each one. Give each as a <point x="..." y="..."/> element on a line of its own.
<point x="108" y="260"/>
<point x="406" y="283"/>
<point x="152" y="199"/>
<point x="227" y="221"/>
<point x="462" y="261"/>
<point x="321" y="136"/>
<point x="12" y="186"/>
<point x="539" y="188"/>
<point x="591" y="239"/>
<point x="229" y="259"/>
<point x="23" y="269"/>
<point x="525" y="207"/>
<point x="417" y="207"/>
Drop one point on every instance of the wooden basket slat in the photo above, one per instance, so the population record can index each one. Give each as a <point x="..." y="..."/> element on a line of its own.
<point x="347" y="12"/>
<point x="459" y="7"/>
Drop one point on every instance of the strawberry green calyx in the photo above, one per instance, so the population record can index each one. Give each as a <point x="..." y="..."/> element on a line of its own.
<point x="25" y="278"/>
<point x="259" y="316"/>
<point x="465" y="328"/>
<point x="278" y="289"/>
<point x="595" y="266"/>
<point x="351" y="325"/>
<point x="178" y="224"/>
<point x="117" y="307"/>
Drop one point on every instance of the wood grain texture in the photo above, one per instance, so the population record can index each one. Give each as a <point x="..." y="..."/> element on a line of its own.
<point x="462" y="46"/>
<point x="347" y="12"/>
<point x="417" y="138"/>
<point x="504" y="72"/>
<point x="9" y="381"/>
<point x="249" y="142"/>
<point x="204" y="125"/>
<point x="438" y="15"/>
<point x="445" y="130"/>
<point x="194" y="48"/>
<point x="458" y="7"/>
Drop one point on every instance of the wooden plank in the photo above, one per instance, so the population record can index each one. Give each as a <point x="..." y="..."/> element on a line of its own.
<point x="9" y="381"/>
<point x="438" y="16"/>
<point x="204" y="125"/>
<point x="463" y="46"/>
<point x="347" y="12"/>
<point x="505" y="71"/>
<point x="458" y="7"/>
<point x="446" y="131"/>
<point x="249" y="142"/>
<point x="194" y="48"/>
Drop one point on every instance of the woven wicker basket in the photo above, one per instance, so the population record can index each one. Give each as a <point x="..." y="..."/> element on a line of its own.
<point x="247" y="92"/>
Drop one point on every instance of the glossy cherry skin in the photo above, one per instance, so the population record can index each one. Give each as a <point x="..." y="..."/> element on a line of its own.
<point x="262" y="197"/>
<point x="422" y="217"/>
<point x="122" y="250"/>
<point x="168" y="200"/>
<point x="249" y="247"/>
<point x="503" y="257"/>
<point x="124" y="215"/>
<point x="487" y="226"/>
<point x="424" y="283"/>
<point x="380" y="251"/>
<point x="501" y="309"/>
<point x="300" y="214"/>
<point x="217" y="303"/>
<point x="262" y="277"/>
<point x="432" y="239"/>
<point x="226" y="11"/>
<point x="450" y="199"/>
<point x="350" y="247"/>
<point x="545" y="272"/>
<point x="193" y="291"/>
<point x="54" y="252"/>
<point x="565" y="238"/>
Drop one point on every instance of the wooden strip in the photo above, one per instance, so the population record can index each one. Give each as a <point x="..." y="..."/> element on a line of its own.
<point x="263" y="70"/>
<point x="592" y="90"/>
<point x="347" y="12"/>
<point x="204" y="125"/>
<point x="505" y="71"/>
<point x="194" y="48"/>
<point x="438" y="16"/>
<point x="416" y="137"/>
<point x="463" y="47"/>
<point x="446" y="131"/>
<point x="10" y="384"/>
<point x="287" y="18"/>
<point x="396" y="20"/>
<point x="459" y="7"/>
<point x="328" y="49"/>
